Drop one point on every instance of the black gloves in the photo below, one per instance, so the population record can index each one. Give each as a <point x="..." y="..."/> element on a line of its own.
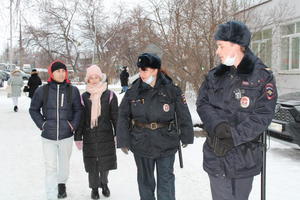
<point x="221" y="141"/>
<point x="223" y="131"/>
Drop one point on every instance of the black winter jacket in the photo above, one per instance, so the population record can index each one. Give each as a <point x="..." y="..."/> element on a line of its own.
<point x="124" y="78"/>
<point x="60" y="117"/>
<point x="147" y="104"/>
<point x="33" y="83"/>
<point x="98" y="143"/>
<point x="245" y="98"/>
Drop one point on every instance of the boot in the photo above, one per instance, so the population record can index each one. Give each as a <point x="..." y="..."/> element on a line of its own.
<point x="95" y="193"/>
<point x="61" y="191"/>
<point x="16" y="108"/>
<point x="105" y="190"/>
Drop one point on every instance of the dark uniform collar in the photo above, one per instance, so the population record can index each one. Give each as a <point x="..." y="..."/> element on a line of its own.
<point x="246" y="65"/>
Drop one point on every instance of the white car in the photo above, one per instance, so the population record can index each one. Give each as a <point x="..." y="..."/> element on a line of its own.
<point x="27" y="68"/>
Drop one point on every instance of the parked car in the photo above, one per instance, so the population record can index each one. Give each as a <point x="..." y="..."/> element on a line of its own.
<point x="5" y="74"/>
<point x="286" y="123"/>
<point x="27" y="68"/>
<point x="25" y="75"/>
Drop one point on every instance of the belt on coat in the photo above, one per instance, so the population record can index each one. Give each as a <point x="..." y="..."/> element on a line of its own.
<point x="152" y="125"/>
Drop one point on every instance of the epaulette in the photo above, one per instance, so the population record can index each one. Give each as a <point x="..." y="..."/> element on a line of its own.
<point x="175" y="84"/>
<point x="268" y="68"/>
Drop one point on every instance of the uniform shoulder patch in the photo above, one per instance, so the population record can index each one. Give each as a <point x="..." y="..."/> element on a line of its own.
<point x="270" y="91"/>
<point x="183" y="99"/>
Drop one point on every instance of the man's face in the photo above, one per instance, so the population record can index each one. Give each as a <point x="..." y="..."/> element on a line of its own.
<point x="59" y="75"/>
<point x="146" y="72"/>
<point x="226" y="49"/>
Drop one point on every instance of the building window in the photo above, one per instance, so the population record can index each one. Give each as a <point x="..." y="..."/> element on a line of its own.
<point x="290" y="46"/>
<point x="262" y="46"/>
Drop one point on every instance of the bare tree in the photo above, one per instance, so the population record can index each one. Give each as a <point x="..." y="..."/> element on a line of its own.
<point x="55" y="35"/>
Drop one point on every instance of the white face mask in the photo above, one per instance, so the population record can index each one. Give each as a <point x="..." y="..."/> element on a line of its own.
<point x="229" y="61"/>
<point x="149" y="80"/>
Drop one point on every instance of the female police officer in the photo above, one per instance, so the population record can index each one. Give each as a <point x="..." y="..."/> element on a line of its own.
<point x="147" y="126"/>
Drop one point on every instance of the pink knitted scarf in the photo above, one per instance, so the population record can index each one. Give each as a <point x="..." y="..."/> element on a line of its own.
<point x="96" y="93"/>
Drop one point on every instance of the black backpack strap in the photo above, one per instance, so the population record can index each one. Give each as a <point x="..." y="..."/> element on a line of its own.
<point x="45" y="99"/>
<point x="69" y="94"/>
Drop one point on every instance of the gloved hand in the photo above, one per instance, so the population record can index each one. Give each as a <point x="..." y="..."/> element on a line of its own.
<point x="222" y="140"/>
<point x="222" y="146"/>
<point x="184" y="145"/>
<point x="79" y="144"/>
<point x="223" y="131"/>
<point x="125" y="150"/>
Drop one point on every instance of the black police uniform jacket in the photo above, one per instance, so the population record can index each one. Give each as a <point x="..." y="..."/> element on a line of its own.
<point x="57" y="121"/>
<point x="244" y="97"/>
<point x="146" y="104"/>
<point x="98" y="142"/>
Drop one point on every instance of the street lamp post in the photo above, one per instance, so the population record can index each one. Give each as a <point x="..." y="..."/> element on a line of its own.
<point x="10" y="42"/>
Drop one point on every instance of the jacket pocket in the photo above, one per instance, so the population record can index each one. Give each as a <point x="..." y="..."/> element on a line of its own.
<point x="247" y="157"/>
<point x="139" y="141"/>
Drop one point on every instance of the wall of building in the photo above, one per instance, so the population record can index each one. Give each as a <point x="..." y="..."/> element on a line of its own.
<point x="273" y="14"/>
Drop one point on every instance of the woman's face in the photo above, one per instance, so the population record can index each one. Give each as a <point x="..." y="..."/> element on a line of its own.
<point x="146" y="72"/>
<point x="94" y="79"/>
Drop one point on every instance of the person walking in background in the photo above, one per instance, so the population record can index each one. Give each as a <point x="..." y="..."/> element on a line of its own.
<point x="147" y="126"/>
<point x="61" y="109"/>
<point x="97" y="130"/>
<point x="2" y="78"/>
<point x="124" y="79"/>
<point x="33" y="82"/>
<point x="236" y="104"/>
<point x="15" y="84"/>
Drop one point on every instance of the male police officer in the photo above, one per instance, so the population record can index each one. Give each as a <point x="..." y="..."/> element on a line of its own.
<point x="236" y="104"/>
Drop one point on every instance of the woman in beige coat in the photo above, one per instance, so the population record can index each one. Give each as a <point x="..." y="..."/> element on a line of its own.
<point x="15" y="84"/>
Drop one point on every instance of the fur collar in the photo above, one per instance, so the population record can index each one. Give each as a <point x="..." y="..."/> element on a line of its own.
<point x="245" y="67"/>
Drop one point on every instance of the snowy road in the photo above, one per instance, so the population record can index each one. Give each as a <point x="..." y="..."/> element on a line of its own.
<point x="22" y="169"/>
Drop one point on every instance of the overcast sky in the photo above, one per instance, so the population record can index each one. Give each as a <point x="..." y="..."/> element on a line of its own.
<point x="29" y="15"/>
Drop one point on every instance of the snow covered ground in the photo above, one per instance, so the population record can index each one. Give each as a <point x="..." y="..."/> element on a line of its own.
<point x="22" y="168"/>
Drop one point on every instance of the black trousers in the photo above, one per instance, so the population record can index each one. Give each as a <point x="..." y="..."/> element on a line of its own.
<point x="223" y="188"/>
<point x="165" y="177"/>
<point x="98" y="178"/>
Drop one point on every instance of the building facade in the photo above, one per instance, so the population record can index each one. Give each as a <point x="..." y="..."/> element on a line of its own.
<point x="275" y="25"/>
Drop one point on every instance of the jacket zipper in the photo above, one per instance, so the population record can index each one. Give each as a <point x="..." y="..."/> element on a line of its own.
<point x="62" y="100"/>
<point x="57" y="112"/>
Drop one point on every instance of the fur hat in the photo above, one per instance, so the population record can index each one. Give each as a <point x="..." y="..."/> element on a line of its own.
<point x="94" y="70"/>
<point x="149" y="60"/>
<point x="235" y="32"/>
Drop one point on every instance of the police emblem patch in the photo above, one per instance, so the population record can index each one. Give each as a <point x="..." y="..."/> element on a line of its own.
<point x="245" y="102"/>
<point x="166" y="107"/>
<point x="269" y="91"/>
<point x="183" y="98"/>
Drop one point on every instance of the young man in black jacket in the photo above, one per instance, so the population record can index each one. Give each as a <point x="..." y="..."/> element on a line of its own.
<point x="61" y="108"/>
